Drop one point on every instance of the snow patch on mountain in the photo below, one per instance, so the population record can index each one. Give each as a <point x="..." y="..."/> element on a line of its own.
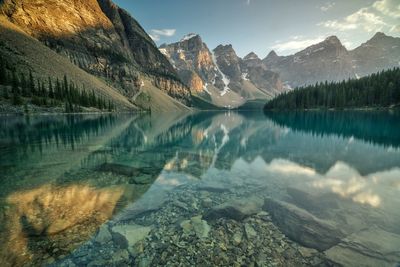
<point x="188" y="37"/>
<point x="319" y="49"/>
<point x="164" y="51"/>
<point x="205" y="88"/>
<point x="225" y="79"/>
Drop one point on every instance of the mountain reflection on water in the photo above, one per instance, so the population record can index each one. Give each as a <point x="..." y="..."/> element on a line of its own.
<point x="63" y="177"/>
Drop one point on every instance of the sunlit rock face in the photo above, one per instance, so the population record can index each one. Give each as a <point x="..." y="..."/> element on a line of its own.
<point x="99" y="37"/>
<point x="193" y="60"/>
<point x="51" y="217"/>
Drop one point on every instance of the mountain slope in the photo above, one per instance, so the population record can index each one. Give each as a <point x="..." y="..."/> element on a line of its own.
<point x="100" y="38"/>
<point x="26" y="53"/>
<point x="378" y="53"/>
<point x="328" y="60"/>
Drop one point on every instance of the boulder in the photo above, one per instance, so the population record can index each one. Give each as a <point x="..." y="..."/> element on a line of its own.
<point x="370" y="247"/>
<point x="236" y="209"/>
<point x="302" y="226"/>
<point x="104" y="235"/>
<point x="196" y="225"/>
<point x="132" y="232"/>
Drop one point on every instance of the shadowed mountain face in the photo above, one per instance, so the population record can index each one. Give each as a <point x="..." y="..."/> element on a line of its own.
<point x="102" y="39"/>
<point x="331" y="61"/>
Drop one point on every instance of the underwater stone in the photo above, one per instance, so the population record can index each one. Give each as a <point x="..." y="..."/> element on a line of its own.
<point x="103" y="236"/>
<point x="132" y="232"/>
<point x="236" y="209"/>
<point x="302" y="226"/>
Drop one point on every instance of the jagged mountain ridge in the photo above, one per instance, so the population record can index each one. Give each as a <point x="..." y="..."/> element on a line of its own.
<point x="100" y="38"/>
<point x="331" y="61"/>
<point x="220" y="75"/>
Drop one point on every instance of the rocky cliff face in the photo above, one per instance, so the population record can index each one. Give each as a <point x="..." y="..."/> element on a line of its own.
<point x="228" y="62"/>
<point x="331" y="61"/>
<point x="192" y="55"/>
<point x="221" y="73"/>
<point x="99" y="37"/>
<point x="255" y="70"/>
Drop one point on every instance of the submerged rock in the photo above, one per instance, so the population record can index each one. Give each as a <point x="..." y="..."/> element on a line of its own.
<point x="371" y="247"/>
<point x="214" y="187"/>
<point x="249" y="230"/>
<point x="142" y="175"/>
<point x="104" y="235"/>
<point x="237" y="238"/>
<point x="236" y="209"/>
<point x="132" y="232"/>
<point x="303" y="227"/>
<point x="196" y="226"/>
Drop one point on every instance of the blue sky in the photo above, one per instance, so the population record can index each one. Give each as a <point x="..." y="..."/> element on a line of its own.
<point x="286" y="26"/>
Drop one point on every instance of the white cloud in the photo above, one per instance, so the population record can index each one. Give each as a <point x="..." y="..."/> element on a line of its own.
<point x="389" y="8"/>
<point x="362" y="19"/>
<point x="327" y="6"/>
<point x="156" y="34"/>
<point x="395" y="29"/>
<point x="248" y="2"/>
<point x="372" y="18"/>
<point x="296" y="43"/>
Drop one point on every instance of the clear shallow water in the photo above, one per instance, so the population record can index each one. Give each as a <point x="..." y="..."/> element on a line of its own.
<point x="204" y="189"/>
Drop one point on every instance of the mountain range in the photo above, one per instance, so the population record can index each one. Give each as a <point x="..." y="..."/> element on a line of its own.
<point x="220" y="76"/>
<point x="102" y="47"/>
<point x="331" y="61"/>
<point x="214" y="74"/>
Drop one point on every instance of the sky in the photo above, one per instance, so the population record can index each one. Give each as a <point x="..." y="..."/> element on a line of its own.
<point x="259" y="26"/>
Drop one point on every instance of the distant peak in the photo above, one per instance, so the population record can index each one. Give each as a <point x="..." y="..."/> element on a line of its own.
<point x="251" y="56"/>
<point x="333" y="39"/>
<point x="189" y="36"/>
<point x="223" y="47"/>
<point x="272" y="54"/>
<point x="379" y="35"/>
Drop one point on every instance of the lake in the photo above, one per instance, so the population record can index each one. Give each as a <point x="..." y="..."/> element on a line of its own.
<point x="205" y="189"/>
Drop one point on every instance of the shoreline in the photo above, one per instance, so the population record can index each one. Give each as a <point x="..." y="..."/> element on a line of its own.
<point x="335" y="109"/>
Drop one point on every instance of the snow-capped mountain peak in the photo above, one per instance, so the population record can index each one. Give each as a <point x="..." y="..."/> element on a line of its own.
<point x="189" y="36"/>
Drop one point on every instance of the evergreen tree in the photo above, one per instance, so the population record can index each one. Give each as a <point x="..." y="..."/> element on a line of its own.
<point x="381" y="89"/>
<point x="3" y="72"/>
<point x="31" y="84"/>
<point x="16" y="97"/>
<point x="24" y="86"/>
<point x="51" y="92"/>
<point x="15" y="83"/>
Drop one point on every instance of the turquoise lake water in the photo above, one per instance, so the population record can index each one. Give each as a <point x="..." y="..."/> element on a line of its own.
<point x="205" y="189"/>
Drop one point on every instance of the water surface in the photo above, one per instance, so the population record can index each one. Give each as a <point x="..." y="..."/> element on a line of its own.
<point x="316" y="188"/>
